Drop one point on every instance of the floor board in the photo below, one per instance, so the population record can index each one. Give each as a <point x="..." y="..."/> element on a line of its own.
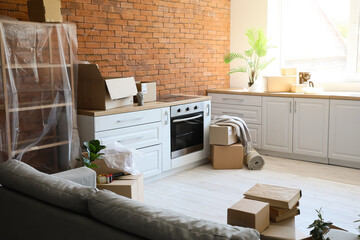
<point x="206" y="193"/>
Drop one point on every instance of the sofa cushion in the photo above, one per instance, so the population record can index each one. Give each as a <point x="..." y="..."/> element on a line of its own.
<point x="60" y="192"/>
<point x="154" y="223"/>
<point x="83" y="175"/>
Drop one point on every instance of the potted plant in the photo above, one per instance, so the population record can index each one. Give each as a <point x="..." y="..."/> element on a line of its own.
<point x="253" y="62"/>
<point x="320" y="227"/>
<point x="358" y="228"/>
<point x="92" y="148"/>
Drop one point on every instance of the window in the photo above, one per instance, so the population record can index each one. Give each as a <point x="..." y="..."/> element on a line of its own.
<point x="322" y="37"/>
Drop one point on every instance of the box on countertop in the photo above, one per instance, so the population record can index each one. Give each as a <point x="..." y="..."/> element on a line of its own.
<point x="44" y="10"/>
<point x="227" y="157"/>
<point x="288" y="72"/>
<point x="130" y="186"/>
<point x="222" y="135"/>
<point x="97" y="93"/>
<point x="249" y="213"/>
<point x="148" y="89"/>
<point x="280" y="83"/>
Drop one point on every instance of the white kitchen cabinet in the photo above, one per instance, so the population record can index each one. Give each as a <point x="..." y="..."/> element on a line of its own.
<point x="246" y="107"/>
<point x="150" y="162"/>
<point x="311" y="122"/>
<point x="344" y="133"/>
<point x="277" y="124"/>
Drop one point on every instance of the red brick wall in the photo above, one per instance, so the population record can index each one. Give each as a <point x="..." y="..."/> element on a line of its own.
<point x="14" y="8"/>
<point x="180" y="44"/>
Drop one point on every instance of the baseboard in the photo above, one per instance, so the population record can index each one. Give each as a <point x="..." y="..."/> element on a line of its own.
<point x="176" y="170"/>
<point x="294" y="156"/>
<point x="344" y="163"/>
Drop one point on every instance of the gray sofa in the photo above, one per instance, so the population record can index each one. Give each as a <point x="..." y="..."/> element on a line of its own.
<point x="35" y="205"/>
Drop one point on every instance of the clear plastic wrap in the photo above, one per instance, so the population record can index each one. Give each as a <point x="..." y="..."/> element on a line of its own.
<point x="122" y="158"/>
<point x="37" y="101"/>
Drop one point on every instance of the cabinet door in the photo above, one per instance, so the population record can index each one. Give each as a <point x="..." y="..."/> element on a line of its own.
<point x="150" y="162"/>
<point x="311" y="122"/>
<point x="255" y="132"/>
<point x="250" y="114"/>
<point x="344" y="134"/>
<point x="277" y="124"/>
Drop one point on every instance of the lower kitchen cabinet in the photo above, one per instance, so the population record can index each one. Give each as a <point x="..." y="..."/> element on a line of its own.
<point x="344" y="133"/>
<point x="311" y="123"/>
<point x="150" y="162"/>
<point x="277" y="124"/>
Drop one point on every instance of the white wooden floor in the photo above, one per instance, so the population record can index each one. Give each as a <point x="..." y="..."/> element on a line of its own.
<point x="206" y="193"/>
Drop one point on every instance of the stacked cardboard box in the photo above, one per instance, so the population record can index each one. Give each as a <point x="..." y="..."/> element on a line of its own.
<point x="227" y="153"/>
<point x="284" y="204"/>
<point x="269" y="209"/>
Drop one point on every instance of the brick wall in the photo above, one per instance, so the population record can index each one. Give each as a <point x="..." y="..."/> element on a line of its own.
<point x="14" y="8"/>
<point x="180" y="44"/>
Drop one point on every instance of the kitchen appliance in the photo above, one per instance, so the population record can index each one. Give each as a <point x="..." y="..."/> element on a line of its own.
<point x="187" y="128"/>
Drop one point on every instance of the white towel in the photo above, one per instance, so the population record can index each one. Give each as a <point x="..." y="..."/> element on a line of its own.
<point x="242" y="131"/>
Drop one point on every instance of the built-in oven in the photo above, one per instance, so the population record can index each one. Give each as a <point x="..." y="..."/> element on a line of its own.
<point x="187" y="128"/>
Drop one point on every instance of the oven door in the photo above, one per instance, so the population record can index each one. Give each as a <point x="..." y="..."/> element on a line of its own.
<point x="187" y="134"/>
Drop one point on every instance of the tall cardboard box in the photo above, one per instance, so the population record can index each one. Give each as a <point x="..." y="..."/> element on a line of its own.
<point x="249" y="213"/>
<point x="97" y="93"/>
<point x="222" y="135"/>
<point x="280" y="83"/>
<point x="44" y="10"/>
<point x="148" y="89"/>
<point x="228" y="157"/>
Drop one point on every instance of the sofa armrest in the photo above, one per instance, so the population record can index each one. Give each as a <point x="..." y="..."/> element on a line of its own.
<point x="83" y="175"/>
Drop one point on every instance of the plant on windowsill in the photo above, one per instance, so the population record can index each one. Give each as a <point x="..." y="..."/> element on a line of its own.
<point x="92" y="148"/>
<point x="320" y="227"/>
<point x="253" y="62"/>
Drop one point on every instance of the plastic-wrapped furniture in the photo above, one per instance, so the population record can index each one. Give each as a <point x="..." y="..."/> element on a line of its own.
<point x="37" y="110"/>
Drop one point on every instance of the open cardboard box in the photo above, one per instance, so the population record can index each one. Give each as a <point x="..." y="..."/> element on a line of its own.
<point x="97" y="93"/>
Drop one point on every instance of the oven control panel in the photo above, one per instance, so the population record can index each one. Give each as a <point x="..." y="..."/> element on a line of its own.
<point x="184" y="109"/>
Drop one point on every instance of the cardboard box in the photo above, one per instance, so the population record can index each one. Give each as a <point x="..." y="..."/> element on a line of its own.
<point x="288" y="72"/>
<point x="297" y="88"/>
<point x="222" y="135"/>
<point x="280" y="231"/>
<point x="130" y="186"/>
<point x="228" y="157"/>
<point x="44" y="10"/>
<point x="249" y="213"/>
<point x="277" y="196"/>
<point x="280" y="83"/>
<point x="95" y="92"/>
<point x="148" y="89"/>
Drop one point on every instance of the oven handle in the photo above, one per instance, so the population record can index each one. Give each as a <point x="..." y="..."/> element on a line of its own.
<point x="187" y="119"/>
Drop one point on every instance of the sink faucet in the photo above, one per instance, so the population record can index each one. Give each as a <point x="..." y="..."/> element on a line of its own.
<point x="311" y="83"/>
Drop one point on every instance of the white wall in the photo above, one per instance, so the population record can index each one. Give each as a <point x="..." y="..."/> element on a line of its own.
<point x="245" y="14"/>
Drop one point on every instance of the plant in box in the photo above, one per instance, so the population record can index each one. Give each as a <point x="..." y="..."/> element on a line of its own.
<point x="92" y="153"/>
<point x="253" y="58"/>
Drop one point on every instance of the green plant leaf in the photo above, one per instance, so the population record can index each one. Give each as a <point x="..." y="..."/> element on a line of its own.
<point x="232" y="56"/>
<point x="93" y="166"/>
<point x="239" y="69"/>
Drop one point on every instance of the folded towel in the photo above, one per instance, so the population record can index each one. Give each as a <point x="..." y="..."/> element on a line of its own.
<point x="254" y="161"/>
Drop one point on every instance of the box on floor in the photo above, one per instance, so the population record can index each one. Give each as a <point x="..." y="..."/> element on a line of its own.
<point x="227" y="157"/>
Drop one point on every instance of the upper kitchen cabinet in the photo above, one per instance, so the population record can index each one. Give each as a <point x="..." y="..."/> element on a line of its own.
<point x="344" y="134"/>
<point x="311" y="122"/>
<point x="277" y="124"/>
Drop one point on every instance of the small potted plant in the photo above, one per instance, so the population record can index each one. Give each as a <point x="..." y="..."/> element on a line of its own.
<point x="320" y="227"/>
<point x="253" y="62"/>
<point x="92" y="148"/>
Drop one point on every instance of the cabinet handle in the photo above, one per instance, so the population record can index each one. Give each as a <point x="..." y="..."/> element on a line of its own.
<point x="295" y="106"/>
<point x="240" y="100"/>
<point x="208" y="110"/>
<point x="132" y="119"/>
<point x="166" y="117"/>
<point x="290" y="106"/>
<point x="230" y="113"/>
<point x="130" y="139"/>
